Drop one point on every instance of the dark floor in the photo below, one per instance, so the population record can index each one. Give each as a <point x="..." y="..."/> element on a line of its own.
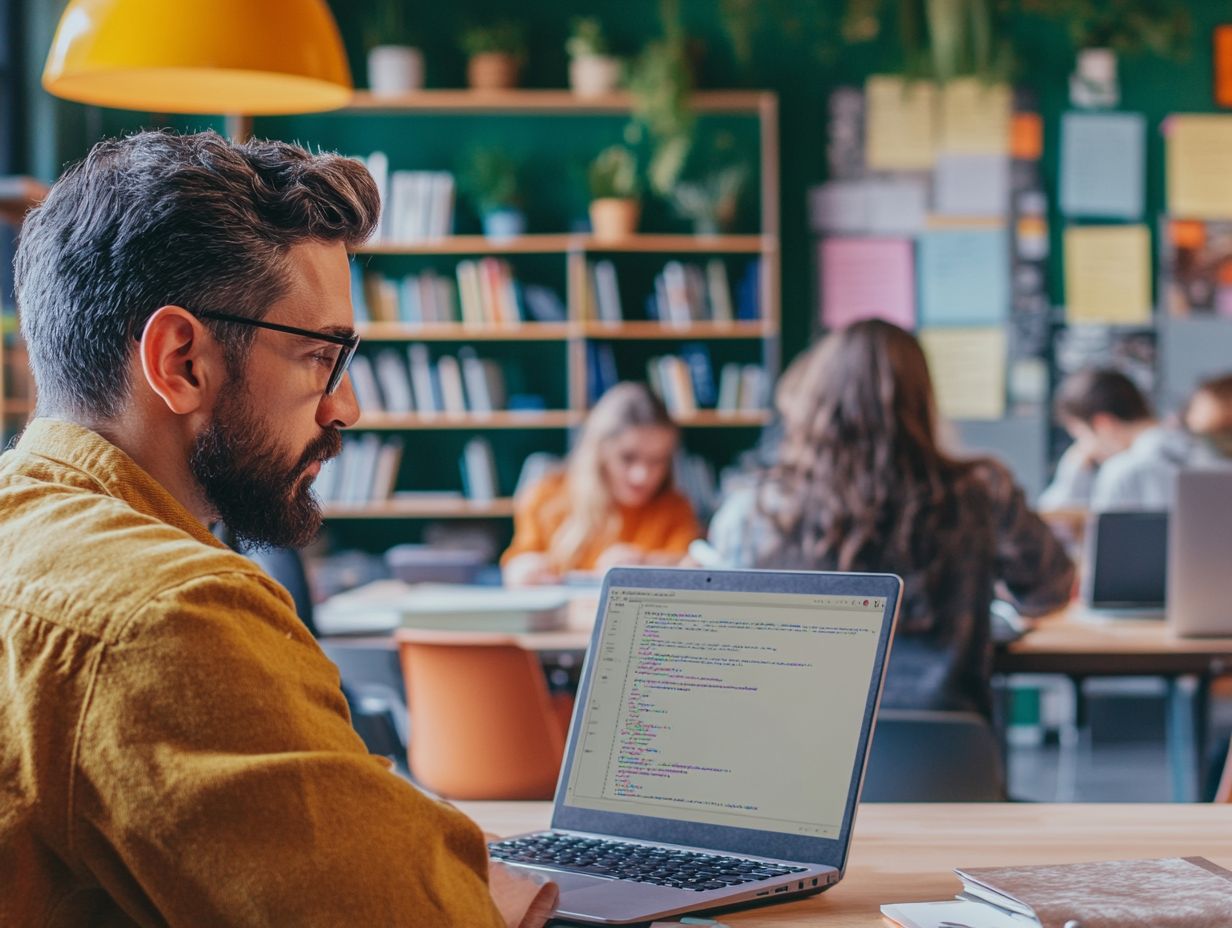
<point x="1120" y="757"/>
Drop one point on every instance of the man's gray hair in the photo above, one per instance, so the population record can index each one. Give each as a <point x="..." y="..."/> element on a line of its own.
<point x="159" y="219"/>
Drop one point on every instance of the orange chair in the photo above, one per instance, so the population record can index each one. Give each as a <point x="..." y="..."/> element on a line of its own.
<point x="482" y="723"/>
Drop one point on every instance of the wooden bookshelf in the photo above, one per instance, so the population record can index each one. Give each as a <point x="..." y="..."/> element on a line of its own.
<point x="460" y="332"/>
<point x="547" y="244"/>
<point x="545" y="102"/>
<point x="655" y="331"/>
<point x="713" y="419"/>
<point x="506" y="419"/>
<point x="428" y="507"/>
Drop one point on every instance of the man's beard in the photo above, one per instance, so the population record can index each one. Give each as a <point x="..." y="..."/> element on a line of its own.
<point x="264" y="502"/>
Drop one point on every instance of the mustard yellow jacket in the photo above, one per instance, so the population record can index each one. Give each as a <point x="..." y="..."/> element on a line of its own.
<point x="174" y="747"/>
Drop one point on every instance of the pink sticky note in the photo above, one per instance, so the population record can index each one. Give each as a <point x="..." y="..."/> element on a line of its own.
<point x="867" y="278"/>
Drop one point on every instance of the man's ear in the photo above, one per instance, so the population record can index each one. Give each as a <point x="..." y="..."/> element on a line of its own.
<point x="181" y="362"/>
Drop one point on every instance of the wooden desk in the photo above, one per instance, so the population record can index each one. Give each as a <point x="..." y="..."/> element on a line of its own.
<point x="905" y="853"/>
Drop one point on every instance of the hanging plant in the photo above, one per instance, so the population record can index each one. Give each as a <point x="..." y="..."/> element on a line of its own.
<point x="661" y="83"/>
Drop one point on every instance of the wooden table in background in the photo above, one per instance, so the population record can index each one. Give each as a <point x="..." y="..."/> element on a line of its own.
<point x="905" y="853"/>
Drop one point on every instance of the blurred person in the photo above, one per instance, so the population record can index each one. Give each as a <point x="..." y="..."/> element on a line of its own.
<point x="613" y="503"/>
<point x="859" y="483"/>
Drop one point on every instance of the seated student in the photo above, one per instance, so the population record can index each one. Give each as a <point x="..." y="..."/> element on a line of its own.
<point x="1105" y="413"/>
<point x="859" y="483"/>
<point x="613" y="503"/>
<point x="1208" y="415"/>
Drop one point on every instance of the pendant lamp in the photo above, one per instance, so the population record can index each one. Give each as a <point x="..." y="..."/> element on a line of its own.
<point x="256" y="57"/>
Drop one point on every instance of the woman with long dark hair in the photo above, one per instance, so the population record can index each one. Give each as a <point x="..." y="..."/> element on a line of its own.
<point x="860" y="482"/>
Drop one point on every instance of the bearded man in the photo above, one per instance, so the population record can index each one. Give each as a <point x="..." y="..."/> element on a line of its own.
<point x="176" y="749"/>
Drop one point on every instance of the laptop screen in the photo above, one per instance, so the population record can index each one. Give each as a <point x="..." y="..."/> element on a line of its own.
<point x="738" y="709"/>
<point x="1127" y="560"/>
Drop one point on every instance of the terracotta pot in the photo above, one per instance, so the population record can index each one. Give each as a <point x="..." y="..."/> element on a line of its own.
<point x="613" y="218"/>
<point x="492" y="71"/>
<point x="594" y="75"/>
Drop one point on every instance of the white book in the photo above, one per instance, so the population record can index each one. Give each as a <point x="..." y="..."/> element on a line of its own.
<point x="752" y="388"/>
<point x="453" y="398"/>
<point x="480" y="470"/>
<point x="475" y="378"/>
<point x="676" y="293"/>
<point x="395" y="381"/>
<point x="421" y="216"/>
<point x="326" y="485"/>
<point x="360" y="468"/>
<point x="718" y="290"/>
<point x="440" y="214"/>
<point x="420" y="363"/>
<point x="410" y="310"/>
<point x="364" y="383"/>
<point x="428" y="296"/>
<point x="378" y="166"/>
<point x="729" y="388"/>
<point x="470" y="292"/>
<point x="400" y="196"/>
<point x="385" y="475"/>
<point x="607" y="292"/>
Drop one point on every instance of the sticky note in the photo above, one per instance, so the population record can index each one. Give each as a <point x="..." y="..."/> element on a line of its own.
<point x="897" y="205"/>
<point x="1103" y="165"/>
<point x="1199" y="180"/>
<point x="839" y="206"/>
<point x="900" y="124"/>
<point x="867" y="278"/>
<point x="975" y="117"/>
<point x="1026" y="137"/>
<point x="963" y="277"/>
<point x="1108" y="274"/>
<point x="968" y="371"/>
<point x="1223" y="65"/>
<point x="971" y="185"/>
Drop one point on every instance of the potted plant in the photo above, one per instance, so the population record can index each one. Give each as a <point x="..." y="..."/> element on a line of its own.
<point x="614" y="191"/>
<point x="490" y="178"/>
<point x="495" y="55"/>
<point x="661" y="83"/>
<point x="711" y="202"/>
<point x="395" y="66"/>
<point x="592" y="71"/>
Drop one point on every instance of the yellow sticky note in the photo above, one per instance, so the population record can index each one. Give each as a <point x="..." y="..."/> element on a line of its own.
<point x="1108" y="274"/>
<point x="1199" y="172"/>
<point x="900" y="124"/>
<point x="975" y="117"/>
<point x="968" y="371"/>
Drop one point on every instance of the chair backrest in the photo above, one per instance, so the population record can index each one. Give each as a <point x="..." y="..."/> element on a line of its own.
<point x="482" y="722"/>
<point x="925" y="756"/>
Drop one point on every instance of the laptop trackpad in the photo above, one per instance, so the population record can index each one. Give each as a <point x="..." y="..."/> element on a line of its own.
<point x="614" y="899"/>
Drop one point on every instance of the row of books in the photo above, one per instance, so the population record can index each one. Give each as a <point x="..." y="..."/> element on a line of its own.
<point x="416" y="206"/>
<point x="392" y="382"/>
<point x="684" y="293"/>
<point x="484" y="292"/>
<point x="366" y="471"/>
<point x="684" y="389"/>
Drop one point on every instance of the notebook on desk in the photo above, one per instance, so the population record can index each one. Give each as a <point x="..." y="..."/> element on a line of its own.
<point x="386" y="605"/>
<point x="718" y="742"/>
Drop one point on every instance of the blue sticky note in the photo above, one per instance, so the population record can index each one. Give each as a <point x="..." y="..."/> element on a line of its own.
<point x="1103" y="165"/>
<point x="964" y="277"/>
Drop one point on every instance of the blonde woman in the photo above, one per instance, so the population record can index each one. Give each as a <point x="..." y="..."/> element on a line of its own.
<point x="613" y="502"/>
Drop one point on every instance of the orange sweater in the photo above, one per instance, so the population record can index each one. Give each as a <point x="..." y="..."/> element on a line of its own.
<point x="666" y="524"/>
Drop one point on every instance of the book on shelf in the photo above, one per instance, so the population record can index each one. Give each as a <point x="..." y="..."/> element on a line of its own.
<point x="604" y="293"/>
<point x="543" y="304"/>
<point x="686" y="292"/>
<point x="686" y="383"/>
<point x="478" y="465"/>
<point x="392" y="383"/>
<point x="488" y="291"/>
<point x="366" y="471"/>
<point x="742" y="388"/>
<point x="416" y="206"/>
<point x="601" y="372"/>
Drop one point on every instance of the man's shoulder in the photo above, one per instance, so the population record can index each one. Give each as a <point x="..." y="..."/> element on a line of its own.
<point x="91" y="561"/>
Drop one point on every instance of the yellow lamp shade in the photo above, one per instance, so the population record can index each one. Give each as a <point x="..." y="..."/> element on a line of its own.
<point x="252" y="57"/>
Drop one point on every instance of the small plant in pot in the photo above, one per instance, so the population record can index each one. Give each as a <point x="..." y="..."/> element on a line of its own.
<point x="614" y="191"/>
<point x="489" y="178"/>
<point x="592" y="71"/>
<point x="495" y="55"/>
<point x="395" y="65"/>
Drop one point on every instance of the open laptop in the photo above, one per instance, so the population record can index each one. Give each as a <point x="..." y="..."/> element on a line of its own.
<point x="1126" y="564"/>
<point x="718" y="742"/>
<point x="1200" y="591"/>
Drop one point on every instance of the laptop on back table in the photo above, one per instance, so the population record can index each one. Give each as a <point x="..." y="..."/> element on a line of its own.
<point x="718" y="742"/>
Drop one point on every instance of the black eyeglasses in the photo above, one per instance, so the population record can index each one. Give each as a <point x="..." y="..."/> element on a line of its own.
<point x="348" y="342"/>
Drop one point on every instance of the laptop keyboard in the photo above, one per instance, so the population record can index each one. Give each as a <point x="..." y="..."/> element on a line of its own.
<point x="636" y="862"/>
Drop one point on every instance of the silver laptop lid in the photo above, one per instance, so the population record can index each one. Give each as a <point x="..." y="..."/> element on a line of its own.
<point x="729" y="710"/>
<point x="1200" y="549"/>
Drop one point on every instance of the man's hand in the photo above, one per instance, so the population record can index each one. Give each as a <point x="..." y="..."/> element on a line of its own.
<point x="526" y="899"/>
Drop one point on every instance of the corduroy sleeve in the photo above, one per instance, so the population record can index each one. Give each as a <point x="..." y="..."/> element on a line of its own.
<point x="217" y="780"/>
